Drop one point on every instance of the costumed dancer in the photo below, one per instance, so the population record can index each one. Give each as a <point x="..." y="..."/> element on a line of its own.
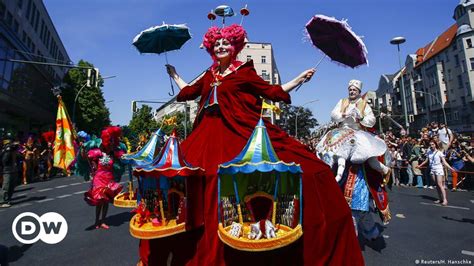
<point x="352" y="142"/>
<point x="28" y="165"/>
<point x="103" y="186"/>
<point x="229" y="108"/>
<point x="47" y="153"/>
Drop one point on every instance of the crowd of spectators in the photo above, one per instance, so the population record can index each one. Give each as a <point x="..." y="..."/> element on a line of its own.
<point x="407" y="152"/>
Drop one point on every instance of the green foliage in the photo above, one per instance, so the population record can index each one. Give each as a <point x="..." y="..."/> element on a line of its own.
<point x="142" y="123"/>
<point x="167" y="129"/>
<point x="90" y="113"/>
<point x="288" y="116"/>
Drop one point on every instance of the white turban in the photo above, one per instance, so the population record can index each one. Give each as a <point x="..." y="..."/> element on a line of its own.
<point x="356" y="83"/>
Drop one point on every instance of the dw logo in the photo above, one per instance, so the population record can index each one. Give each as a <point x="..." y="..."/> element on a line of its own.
<point x="28" y="228"/>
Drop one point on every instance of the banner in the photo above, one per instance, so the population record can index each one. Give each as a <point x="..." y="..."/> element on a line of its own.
<point x="64" y="152"/>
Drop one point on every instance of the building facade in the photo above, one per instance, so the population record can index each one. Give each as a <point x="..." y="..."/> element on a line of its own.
<point x="265" y="65"/>
<point x="438" y="78"/>
<point x="27" y="33"/>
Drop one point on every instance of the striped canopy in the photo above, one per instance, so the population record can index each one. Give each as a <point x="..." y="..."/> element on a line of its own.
<point x="258" y="155"/>
<point x="145" y="155"/>
<point x="170" y="162"/>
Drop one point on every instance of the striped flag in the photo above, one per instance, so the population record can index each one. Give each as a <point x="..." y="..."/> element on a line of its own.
<point x="64" y="152"/>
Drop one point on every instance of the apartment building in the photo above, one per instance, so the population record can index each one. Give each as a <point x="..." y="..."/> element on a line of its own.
<point x="438" y="78"/>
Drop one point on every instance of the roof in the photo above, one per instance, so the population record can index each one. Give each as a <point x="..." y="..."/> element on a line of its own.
<point x="435" y="47"/>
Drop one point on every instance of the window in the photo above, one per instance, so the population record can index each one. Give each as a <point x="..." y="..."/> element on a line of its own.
<point x="265" y="75"/>
<point x="33" y="16"/>
<point x="28" y="9"/>
<point x="460" y="83"/>
<point x="463" y="66"/>
<point x="37" y="21"/>
<point x="16" y="26"/>
<point x="455" y="46"/>
<point x="469" y="43"/>
<point x="472" y="63"/>
<point x="450" y="76"/>
<point x="249" y="57"/>
<point x="9" y="19"/>
<point x="264" y="59"/>
<point x="2" y="10"/>
<point x="456" y="115"/>
<point x="456" y="59"/>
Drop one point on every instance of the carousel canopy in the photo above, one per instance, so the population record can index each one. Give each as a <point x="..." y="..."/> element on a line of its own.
<point x="170" y="163"/>
<point x="258" y="155"/>
<point x="145" y="155"/>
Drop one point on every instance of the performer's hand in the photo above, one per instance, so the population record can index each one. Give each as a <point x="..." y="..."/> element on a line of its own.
<point x="171" y="71"/>
<point x="306" y="75"/>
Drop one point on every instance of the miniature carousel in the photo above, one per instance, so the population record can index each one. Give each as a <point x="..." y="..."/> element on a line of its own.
<point x="144" y="156"/>
<point x="168" y="190"/>
<point x="260" y="197"/>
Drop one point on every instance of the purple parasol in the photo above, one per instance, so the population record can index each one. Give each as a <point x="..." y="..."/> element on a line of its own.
<point x="336" y="39"/>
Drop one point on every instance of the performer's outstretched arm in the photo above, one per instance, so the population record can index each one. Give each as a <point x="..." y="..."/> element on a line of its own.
<point x="305" y="76"/>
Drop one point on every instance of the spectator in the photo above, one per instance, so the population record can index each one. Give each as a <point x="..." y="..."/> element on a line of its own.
<point x="415" y="160"/>
<point x="433" y="129"/>
<point x="445" y="137"/>
<point x="436" y="161"/>
<point x="455" y="159"/>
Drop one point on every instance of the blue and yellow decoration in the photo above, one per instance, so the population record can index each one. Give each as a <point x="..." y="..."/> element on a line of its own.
<point x="257" y="187"/>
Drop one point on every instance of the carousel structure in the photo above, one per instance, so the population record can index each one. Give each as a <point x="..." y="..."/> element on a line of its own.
<point x="144" y="156"/>
<point x="169" y="189"/>
<point x="260" y="197"/>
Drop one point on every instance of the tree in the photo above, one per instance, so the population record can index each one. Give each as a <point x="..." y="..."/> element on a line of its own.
<point x="179" y="125"/>
<point x="288" y="116"/>
<point x="142" y="121"/>
<point x="90" y="114"/>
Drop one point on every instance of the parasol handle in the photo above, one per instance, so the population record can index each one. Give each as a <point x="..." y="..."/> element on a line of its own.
<point x="171" y="82"/>
<point x="317" y="64"/>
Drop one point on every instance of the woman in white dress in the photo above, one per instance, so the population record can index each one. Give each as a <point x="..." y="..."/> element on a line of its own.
<point x="436" y="160"/>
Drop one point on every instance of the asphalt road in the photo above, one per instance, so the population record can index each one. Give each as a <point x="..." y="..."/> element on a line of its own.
<point x="419" y="230"/>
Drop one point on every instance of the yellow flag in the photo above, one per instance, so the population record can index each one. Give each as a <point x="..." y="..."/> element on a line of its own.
<point x="170" y="121"/>
<point x="272" y="107"/>
<point x="63" y="150"/>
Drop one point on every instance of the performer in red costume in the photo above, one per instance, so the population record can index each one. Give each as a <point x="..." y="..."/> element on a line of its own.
<point x="229" y="109"/>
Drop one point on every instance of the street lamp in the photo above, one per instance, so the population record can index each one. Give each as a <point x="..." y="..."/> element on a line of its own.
<point x="77" y="97"/>
<point x="397" y="41"/>
<point x="297" y="113"/>
<point x="440" y="103"/>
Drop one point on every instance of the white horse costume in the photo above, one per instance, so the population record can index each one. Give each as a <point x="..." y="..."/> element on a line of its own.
<point x="350" y="141"/>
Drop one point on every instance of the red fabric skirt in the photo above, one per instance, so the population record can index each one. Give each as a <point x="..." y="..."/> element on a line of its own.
<point x="103" y="189"/>
<point x="328" y="232"/>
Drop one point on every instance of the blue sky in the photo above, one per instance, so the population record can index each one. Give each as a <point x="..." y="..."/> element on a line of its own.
<point x="101" y="32"/>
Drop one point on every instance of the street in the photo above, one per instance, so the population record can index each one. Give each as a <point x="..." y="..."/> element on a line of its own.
<point x="419" y="230"/>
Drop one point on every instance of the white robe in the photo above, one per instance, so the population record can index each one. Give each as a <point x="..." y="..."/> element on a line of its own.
<point x="350" y="141"/>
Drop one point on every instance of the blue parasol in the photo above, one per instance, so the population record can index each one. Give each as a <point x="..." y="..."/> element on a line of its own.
<point x="162" y="39"/>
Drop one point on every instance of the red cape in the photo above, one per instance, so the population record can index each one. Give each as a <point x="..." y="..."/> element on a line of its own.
<point x="328" y="232"/>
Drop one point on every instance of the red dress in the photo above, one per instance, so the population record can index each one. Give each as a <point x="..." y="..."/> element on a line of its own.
<point x="103" y="187"/>
<point x="218" y="136"/>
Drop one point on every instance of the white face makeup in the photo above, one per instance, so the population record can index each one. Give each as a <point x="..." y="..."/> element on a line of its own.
<point x="222" y="48"/>
<point x="353" y="92"/>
